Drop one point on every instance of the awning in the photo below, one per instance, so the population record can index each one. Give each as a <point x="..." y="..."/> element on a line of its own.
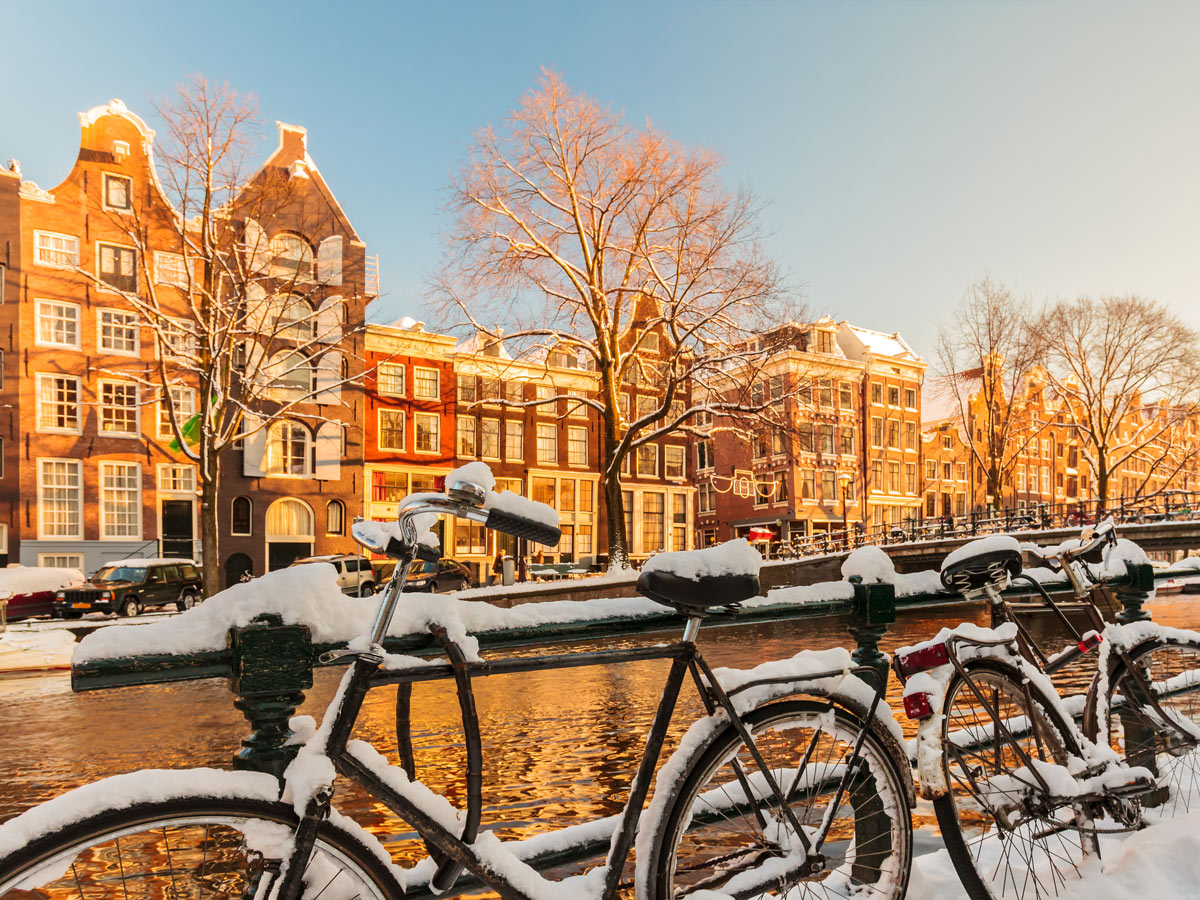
<point x="760" y="533"/>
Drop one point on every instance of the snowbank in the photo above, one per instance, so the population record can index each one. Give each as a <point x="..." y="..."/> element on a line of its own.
<point x="33" y="579"/>
<point x="871" y="564"/>
<point x="731" y="558"/>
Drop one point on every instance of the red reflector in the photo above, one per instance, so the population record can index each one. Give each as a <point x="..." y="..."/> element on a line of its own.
<point x="1090" y="641"/>
<point x="917" y="706"/>
<point x="926" y="658"/>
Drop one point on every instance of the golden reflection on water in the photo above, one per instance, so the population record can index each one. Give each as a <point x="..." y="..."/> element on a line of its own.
<point x="559" y="746"/>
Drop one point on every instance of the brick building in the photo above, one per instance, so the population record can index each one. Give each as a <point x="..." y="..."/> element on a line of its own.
<point x="89" y="474"/>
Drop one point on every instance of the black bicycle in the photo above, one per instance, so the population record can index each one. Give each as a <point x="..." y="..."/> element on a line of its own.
<point x="793" y="784"/>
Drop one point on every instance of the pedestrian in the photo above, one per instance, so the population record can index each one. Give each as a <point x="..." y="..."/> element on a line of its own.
<point x="522" y="569"/>
<point x="498" y="568"/>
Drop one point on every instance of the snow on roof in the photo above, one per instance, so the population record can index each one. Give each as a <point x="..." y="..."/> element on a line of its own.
<point x="408" y="323"/>
<point x="878" y="343"/>
<point x="483" y="344"/>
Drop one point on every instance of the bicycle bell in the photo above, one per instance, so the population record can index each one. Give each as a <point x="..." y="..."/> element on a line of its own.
<point x="469" y="492"/>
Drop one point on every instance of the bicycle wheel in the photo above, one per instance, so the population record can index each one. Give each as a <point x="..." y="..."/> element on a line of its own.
<point x="1170" y="669"/>
<point x="1003" y="836"/>
<point x="188" y="848"/>
<point x="710" y="832"/>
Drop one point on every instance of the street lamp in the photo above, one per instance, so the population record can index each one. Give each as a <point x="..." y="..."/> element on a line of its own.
<point x="844" y="480"/>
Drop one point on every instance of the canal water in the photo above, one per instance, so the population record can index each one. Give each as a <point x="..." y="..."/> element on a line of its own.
<point x="559" y="746"/>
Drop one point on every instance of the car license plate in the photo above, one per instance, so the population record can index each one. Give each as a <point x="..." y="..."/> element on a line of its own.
<point x="81" y="606"/>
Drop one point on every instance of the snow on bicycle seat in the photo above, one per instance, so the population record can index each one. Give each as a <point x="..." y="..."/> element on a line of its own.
<point x="987" y="560"/>
<point x="692" y="581"/>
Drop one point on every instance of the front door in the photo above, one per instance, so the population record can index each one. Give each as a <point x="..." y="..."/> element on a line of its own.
<point x="177" y="533"/>
<point x="281" y="554"/>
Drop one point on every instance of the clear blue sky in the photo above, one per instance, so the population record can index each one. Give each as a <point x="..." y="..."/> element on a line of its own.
<point x="902" y="149"/>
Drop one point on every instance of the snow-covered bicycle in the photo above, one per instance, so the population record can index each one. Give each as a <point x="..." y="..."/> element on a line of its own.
<point x="1020" y="790"/>
<point x="793" y="784"/>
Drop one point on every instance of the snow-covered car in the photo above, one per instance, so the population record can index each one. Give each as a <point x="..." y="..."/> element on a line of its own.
<point x="131" y="585"/>
<point x="354" y="573"/>
<point x="30" y="590"/>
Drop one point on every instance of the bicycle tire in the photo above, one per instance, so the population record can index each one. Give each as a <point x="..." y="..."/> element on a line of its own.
<point x="1166" y="753"/>
<point x="887" y="805"/>
<point x="975" y="866"/>
<point x="100" y="855"/>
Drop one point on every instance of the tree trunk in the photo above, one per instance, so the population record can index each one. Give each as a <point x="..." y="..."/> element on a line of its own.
<point x="209" y="551"/>
<point x="618" y="544"/>
<point x="1102" y="477"/>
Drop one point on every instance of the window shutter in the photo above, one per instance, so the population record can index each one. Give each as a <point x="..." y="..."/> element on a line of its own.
<point x="329" y="320"/>
<point x="255" y="240"/>
<point x="254" y="448"/>
<point x="329" y="452"/>
<point x="329" y="260"/>
<point x="329" y="374"/>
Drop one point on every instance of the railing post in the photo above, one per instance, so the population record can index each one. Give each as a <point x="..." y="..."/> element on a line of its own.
<point x="272" y="668"/>
<point x="1135" y="591"/>
<point x="871" y="611"/>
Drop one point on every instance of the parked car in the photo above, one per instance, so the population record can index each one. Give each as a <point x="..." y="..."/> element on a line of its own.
<point x="438" y="577"/>
<point x="131" y="585"/>
<point x="354" y="573"/>
<point x="30" y="590"/>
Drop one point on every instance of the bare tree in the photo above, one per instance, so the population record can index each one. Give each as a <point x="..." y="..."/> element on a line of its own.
<point x="236" y="319"/>
<point x="988" y="354"/>
<point x="584" y="235"/>
<point x="1125" y="370"/>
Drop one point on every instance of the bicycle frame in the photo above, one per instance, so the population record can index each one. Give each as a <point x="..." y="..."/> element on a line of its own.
<point x="455" y="852"/>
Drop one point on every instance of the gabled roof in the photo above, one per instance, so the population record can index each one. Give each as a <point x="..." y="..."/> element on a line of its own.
<point x="878" y="343"/>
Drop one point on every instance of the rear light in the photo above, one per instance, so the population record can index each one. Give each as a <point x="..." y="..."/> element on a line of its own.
<point x="917" y="705"/>
<point x="1090" y="642"/>
<point x="921" y="660"/>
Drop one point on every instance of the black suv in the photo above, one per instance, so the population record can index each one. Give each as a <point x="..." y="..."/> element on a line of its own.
<point x="131" y="585"/>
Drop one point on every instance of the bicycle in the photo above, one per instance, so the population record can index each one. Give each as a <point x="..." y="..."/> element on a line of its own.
<point x="1020" y="791"/>
<point x="791" y="782"/>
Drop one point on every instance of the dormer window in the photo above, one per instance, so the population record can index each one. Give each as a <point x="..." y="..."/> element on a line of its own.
<point x="824" y="341"/>
<point x="118" y="193"/>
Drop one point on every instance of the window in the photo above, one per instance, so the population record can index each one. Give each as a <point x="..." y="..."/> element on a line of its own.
<point x="847" y="441"/>
<point x="239" y="519"/>
<point x="514" y="440"/>
<point x="547" y="443"/>
<point x="489" y="389"/>
<point x="808" y="487"/>
<point x="930" y="504"/>
<point x="296" y="321"/>
<point x="828" y="485"/>
<point x="546" y="392"/>
<point x="1021" y="479"/>
<point x="118" y="267"/>
<point x="781" y="487"/>
<point x="931" y="470"/>
<point x="392" y="430"/>
<point x="544" y="491"/>
<point x="60" y="560"/>
<point x="1045" y="448"/>
<point x="947" y="442"/>
<point x="118" y="331"/>
<point x="514" y="391"/>
<point x="585" y="496"/>
<point x="118" y="192"/>
<point x="961" y="470"/>
<point x="170" y="268"/>
<point x="61" y="250"/>
<point x="652" y="521"/>
<point x="489" y="438"/>
<point x="876" y="393"/>
<point x="428" y="431"/>
<point x="824" y="341"/>
<point x="1033" y="480"/>
<point x="390" y="379"/>
<point x="825" y="394"/>
<point x="647" y="405"/>
<point x="183" y="399"/>
<point x="469" y="538"/>
<point x="845" y="396"/>
<point x="288" y="449"/>
<point x="673" y="462"/>
<point x="893" y="396"/>
<point x="58" y="403"/>
<point x="910" y="435"/>
<point x="335" y="518"/>
<point x="876" y="431"/>
<point x="910" y="398"/>
<point x="118" y="408"/>
<point x="466" y="388"/>
<point x="647" y="461"/>
<point x="173" y="479"/>
<point x="583" y="539"/>
<point x="566" y="494"/>
<point x="466" y="436"/>
<point x="426" y="384"/>
<point x="291" y="257"/>
<point x="291" y="376"/>
<point x="703" y="455"/>
<point x="120" y="500"/>
<point x="804" y="437"/>
<point x="60" y="498"/>
<point x="757" y="392"/>
<point x="57" y="324"/>
<point x="775" y="386"/>
<point x="893" y="434"/>
<point x="893" y="477"/>
<point x="650" y="341"/>
<point x="877" y="474"/>
<point x="178" y="338"/>
<point x="825" y="433"/>
<point x="761" y="444"/>
<point x="577" y="446"/>
<point x="706" y="498"/>
<point x="910" y="478"/>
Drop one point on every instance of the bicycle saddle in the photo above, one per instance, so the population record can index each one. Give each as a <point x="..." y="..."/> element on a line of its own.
<point x="977" y="564"/>
<point x="694" y="597"/>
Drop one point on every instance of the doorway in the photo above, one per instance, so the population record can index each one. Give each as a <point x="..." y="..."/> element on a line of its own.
<point x="178" y="529"/>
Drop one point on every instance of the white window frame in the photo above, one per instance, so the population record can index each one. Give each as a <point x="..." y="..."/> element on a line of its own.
<point x="101" y="407"/>
<point x="165" y="273"/>
<point x="577" y="437"/>
<point x="38" y="235"/>
<point x="682" y="461"/>
<point x="41" y="489"/>
<point x="178" y="338"/>
<point x="124" y="210"/>
<point x="637" y="463"/>
<point x="307" y="469"/>
<point x="39" y="317"/>
<point x="76" y="560"/>
<point x="549" y="429"/>
<point x="464" y="426"/>
<point x="518" y="457"/>
<point x="403" y="448"/>
<point x="163" y="423"/>
<point x="51" y="429"/>
<point x="437" y="383"/>
<point x="437" y="432"/>
<point x="135" y="325"/>
<point x="162" y="473"/>
<point x="499" y="439"/>
<point x="137" y="502"/>
<point x="392" y="367"/>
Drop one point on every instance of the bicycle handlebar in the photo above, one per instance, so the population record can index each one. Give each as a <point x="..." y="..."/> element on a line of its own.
<point x="519" y="526"/>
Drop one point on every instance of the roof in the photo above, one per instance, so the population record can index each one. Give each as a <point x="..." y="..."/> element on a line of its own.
<point x="878" y="343"/>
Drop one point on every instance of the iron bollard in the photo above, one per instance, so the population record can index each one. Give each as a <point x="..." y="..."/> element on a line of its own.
<point x="1135" y="591"/>
<point x="272" y="668"/>
<point x="871" y="611"/>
